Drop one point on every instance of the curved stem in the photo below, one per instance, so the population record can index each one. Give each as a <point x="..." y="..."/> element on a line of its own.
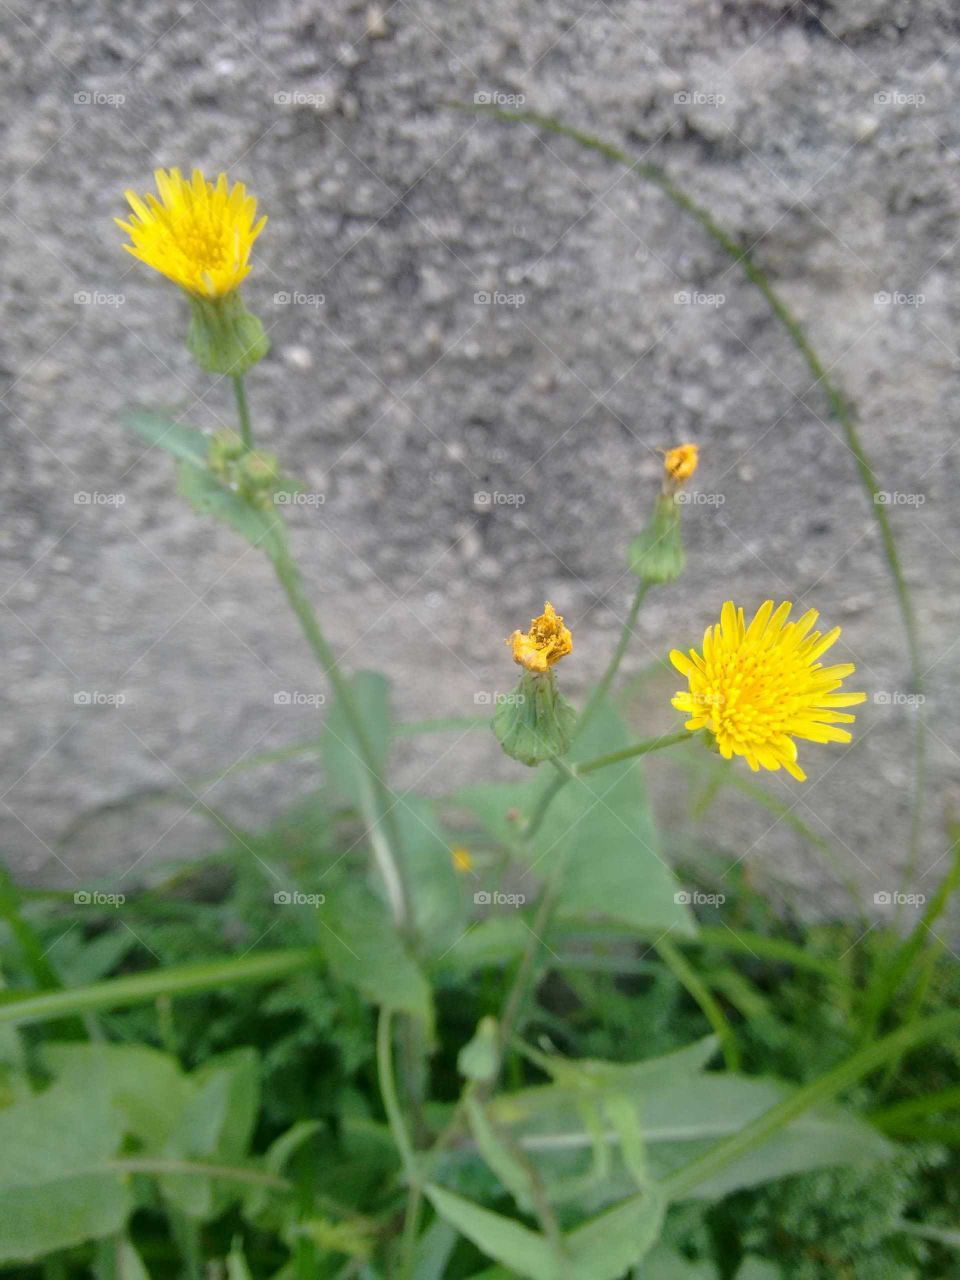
<point x="243" y="409"/>
<point x="608" y="677"/>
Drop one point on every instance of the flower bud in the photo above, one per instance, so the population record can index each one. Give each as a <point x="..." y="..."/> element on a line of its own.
<point x="224" y="337"/>
<point x="535" y="722"/>
<point x="656" y="555"/>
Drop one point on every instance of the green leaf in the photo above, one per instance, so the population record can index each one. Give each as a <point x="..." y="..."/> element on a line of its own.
<point x="264" y="529"/>
<point x="146" y="1086"/>
<point x="523" y="1250"/>
<point x="184" y="443"/>
<point x="664" y="1263"/>
<point x="617" y="1239"/>
<point x="365" y="951"/>
<point x="758" y="1269"/>
<point x="436" y="892"/>
<point x="129" y="1263"/>
<point x="281" y="1150"/>
<point x="54" y="1187"/>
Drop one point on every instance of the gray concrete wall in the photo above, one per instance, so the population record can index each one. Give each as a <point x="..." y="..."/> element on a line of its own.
<point x="824" y="135"/>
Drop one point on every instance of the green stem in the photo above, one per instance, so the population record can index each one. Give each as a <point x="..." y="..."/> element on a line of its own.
<point x="193" y="1168"/>
<point x="608" y="677"/>
<point x="383" y="832"/>
<point x="243" y="409"/>
<point x="698" y="990"/>
<point x="643" y="748"/>
<point x="391" y="1099"/>
<point x="679" y="1185"/>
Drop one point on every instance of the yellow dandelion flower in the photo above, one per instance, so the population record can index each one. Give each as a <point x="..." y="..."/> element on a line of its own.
<point x="680" y="463"/>
<point x="757" y="687"/>
<point x="547" y="641"/>
<point x="462" y="861"/>
<point x="198" y="235"/>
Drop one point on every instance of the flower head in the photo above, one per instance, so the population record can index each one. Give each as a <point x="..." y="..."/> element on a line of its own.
<point x="757" y="687"/>
<point x="547" y="641"/>
<point x="680" y="463"/>
<point x="198" y="235"/>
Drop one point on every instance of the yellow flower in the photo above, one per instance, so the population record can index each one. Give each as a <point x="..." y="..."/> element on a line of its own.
<point x="758" y="687"/>
<point x="547" y="641"/>
<point x="462" y="861"/>
<point x="198" y="235"/>
<point x="680" y="463"/>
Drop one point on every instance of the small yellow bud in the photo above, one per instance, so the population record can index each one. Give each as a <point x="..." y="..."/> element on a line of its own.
<point x="461" y="859"/>
<point x="547" y="641"/>
<point x="680" y="463"/>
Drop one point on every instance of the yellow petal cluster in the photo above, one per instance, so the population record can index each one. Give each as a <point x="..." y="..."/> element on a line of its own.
<point x="680" y="463"/>
<point x="757" y="687"/>
<point x="199" y="235"/>
<point x="547" y="641"/>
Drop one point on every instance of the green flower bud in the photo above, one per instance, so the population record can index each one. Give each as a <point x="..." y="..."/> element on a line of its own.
<point x="224" y="337"/>
<point x="478" y="1059"/>
<point x="257" y="476"/>
<point x="656" y="555"/>
<point x="226" y="448"/>
<point x="535" y="722"/>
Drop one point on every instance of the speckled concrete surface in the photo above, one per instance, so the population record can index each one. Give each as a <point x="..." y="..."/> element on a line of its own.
<point x="825" y="136"/>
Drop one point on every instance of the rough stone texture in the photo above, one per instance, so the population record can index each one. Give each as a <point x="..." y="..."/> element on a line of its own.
<point x="399" y="397"/>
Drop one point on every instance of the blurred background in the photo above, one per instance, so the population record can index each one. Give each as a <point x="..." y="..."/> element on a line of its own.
<point x="481" y="334"/>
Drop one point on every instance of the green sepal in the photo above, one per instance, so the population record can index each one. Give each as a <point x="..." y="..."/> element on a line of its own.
<point x="224" y="337"/>
<point x="479" y="1058"/>
<point x="656" y="555"/>
<point x="535" y="722"/>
